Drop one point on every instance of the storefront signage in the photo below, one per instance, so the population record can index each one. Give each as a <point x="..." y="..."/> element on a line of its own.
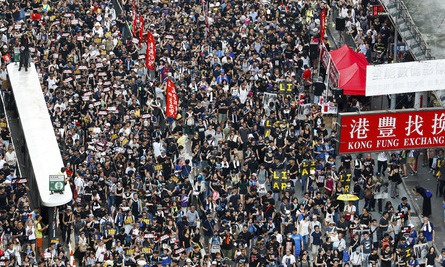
<point x="396" y="130"/>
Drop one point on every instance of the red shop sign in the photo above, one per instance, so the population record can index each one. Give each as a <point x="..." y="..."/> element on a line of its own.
<point x="397" y="130"/>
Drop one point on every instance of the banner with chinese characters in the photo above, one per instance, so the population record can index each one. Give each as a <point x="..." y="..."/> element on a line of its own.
<point x="322" y="23"/>
<point x="395" y="130"/>
<point x="141" y="28"/>
<point x="134" y="22"/>
<point x="171" y="109"/>
<point x="150" y="53"/>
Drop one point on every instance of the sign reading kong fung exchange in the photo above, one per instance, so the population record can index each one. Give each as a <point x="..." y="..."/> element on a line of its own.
<point x="397" y="130"/>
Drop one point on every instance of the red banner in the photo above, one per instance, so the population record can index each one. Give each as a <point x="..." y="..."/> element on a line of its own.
<point x="398" y="130"/>
<point x="141" y="29"/>
<point x="171" y="109"/>
<point x="134" y="24"/>
<point x="322" y="24"/>
<point x="150" y="53"/>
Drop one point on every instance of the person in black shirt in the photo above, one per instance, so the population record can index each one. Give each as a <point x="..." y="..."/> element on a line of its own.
<point x="365" y="217"/>
<point x="24" y="51"/>
<point x="19" y="233"/>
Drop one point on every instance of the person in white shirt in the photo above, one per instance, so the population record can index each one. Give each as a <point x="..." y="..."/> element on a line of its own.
<point x="288" y="259"/>
<point x="80" y="185"/>
<point x="98" y="31"/>
<point x="356" y="258"/>
<point x="52" y="81"/>
<point x="11" y="157"/>
<point x="60" y="104"/>
<point x="157" y="147"/>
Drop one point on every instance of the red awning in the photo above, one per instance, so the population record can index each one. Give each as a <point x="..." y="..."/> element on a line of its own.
<point x="352" y="68"/>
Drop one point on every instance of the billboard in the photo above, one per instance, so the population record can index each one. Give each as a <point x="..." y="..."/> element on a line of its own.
<point x="408" y="77"/>
<point x="395" y="130"/>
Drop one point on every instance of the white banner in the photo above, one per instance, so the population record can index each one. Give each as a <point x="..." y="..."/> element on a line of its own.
<point x="268" y="98"/>
<point x="406" y="77"/>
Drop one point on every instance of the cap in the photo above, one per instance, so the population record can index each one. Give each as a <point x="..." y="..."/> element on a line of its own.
<point x="214" y="262"/>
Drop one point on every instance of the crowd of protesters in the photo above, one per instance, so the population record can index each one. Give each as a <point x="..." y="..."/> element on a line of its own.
<point x="199" y="189"/>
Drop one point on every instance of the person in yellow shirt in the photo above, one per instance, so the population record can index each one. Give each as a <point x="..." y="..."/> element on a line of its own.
<point x="40" y="229"/>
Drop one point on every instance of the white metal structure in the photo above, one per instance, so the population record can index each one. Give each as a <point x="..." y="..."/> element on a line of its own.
<point x="39" y="133"/>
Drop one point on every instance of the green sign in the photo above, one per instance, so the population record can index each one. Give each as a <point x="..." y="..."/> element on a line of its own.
<point x="57" y="183"/>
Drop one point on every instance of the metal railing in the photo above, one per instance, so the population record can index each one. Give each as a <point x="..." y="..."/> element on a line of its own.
<point x="414" y="38"/>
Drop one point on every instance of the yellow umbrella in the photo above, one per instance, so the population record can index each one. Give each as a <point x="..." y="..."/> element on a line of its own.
<point x="347" y="197"/>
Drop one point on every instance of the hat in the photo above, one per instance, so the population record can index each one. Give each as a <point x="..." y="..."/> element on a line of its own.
<point x="96" y="24"/>
<point x="143" y="158"/>
<point x="378" y="174"/>
<point x="214" y="262"/>
<point x="443" y="249"/>
<point x="188" y="260"/>
<point x="224" y="221"/>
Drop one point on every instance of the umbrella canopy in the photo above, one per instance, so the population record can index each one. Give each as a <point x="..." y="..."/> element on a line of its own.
<point x="351" y="66"/>
<point x="347" y="197"/>
<point x="345" y="57"/>
<point x="353" y="78"/>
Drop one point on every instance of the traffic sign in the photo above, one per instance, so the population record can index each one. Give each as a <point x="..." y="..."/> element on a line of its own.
<point x="57" y="183"/>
